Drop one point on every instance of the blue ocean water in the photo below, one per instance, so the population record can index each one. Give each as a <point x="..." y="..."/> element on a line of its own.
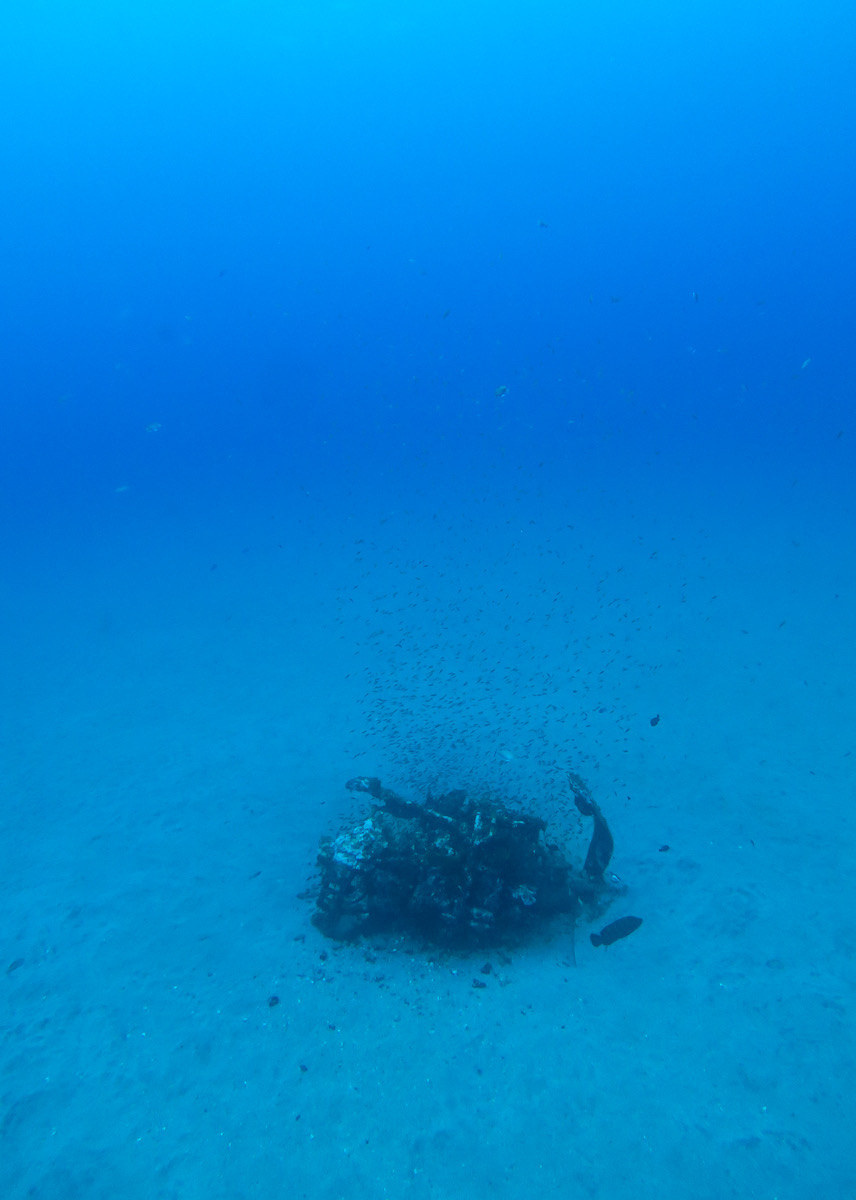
<point x="442" y="391"/>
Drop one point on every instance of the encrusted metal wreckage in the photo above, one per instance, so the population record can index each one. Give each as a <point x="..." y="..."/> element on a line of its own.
<point x="456" y="871"/>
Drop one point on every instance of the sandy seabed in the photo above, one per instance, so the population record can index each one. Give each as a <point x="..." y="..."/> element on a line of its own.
<point x="176" y="739"/>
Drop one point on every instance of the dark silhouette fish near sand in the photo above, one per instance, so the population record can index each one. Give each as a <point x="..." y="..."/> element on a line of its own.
<point x="616" y="930"/>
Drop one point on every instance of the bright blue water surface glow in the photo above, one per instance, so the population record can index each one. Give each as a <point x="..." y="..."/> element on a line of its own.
<point x="336" y="337"/>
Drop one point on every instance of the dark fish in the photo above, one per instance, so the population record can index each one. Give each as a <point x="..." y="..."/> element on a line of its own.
<point x="623" y="927"/>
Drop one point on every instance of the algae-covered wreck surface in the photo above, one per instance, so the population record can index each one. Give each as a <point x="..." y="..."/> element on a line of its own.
<point x="456" y="871"/>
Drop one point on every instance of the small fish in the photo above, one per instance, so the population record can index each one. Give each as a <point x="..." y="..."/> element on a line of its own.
<point x="621" y="928"/>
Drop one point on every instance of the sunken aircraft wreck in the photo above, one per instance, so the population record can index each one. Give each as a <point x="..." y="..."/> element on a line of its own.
<point x="454" y="871"/>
